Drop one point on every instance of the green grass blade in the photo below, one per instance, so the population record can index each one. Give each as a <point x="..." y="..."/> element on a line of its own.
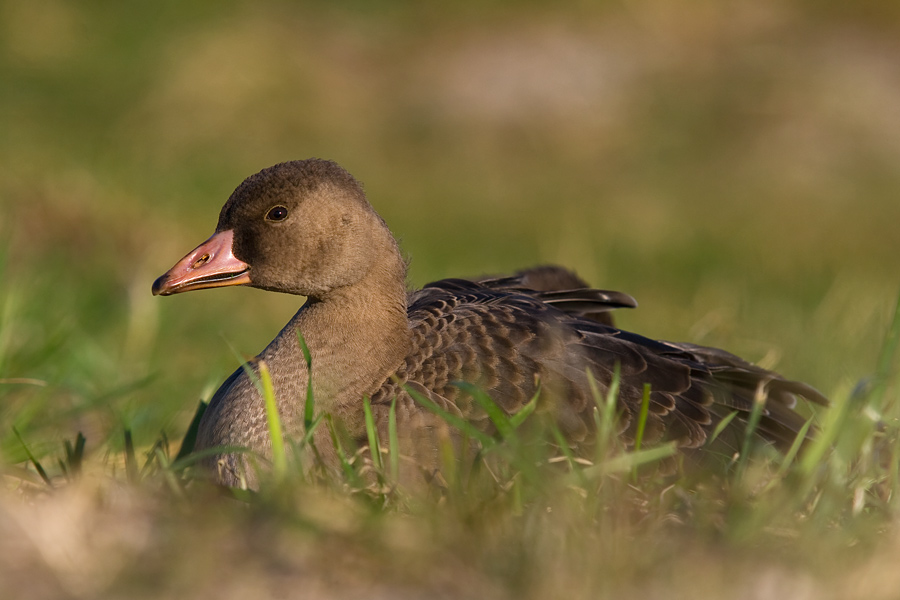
<point x="612" y="395"/>
<point x="307" y="355"/>
<point x="309" y="403"/>
<point x="180" y="464"/>
<point x="756" y="410"/>
<point x="891" y="342"/>
<point x="566" y="450"/>
<point x="792" y="452"/>
<point x="372" y="434"/>
<point x="720" y="427"/>
<point x="273" y="420"/>
<point x="394" y="441"/>
<point x="831" y="426"/>
<point x="493" y="410"/>
<point x="131" y="468"/>
<point x="642" y="417"/>
<point x="349" y="472"/>
<point x="247" y="366"/>
<point x="623" y="463"/>
<point x="308" y="437"/>
<point x="886" y="360"/>
<point x="34" y="461"/>
<point x="606" y="414"/>
<point x="450" y="470"/>
<point x="74" y="455"/>
<point x="190" y="436"/>
<point x="168" y="474"/>
<point x="526" y="411"/>
<point x="451" y="419"/>
<point x="161" y="444"/>
<point x="642" y="423"/>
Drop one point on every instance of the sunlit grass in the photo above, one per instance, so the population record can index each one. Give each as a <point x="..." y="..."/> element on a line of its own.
<point x="548" y="502"/>
<point x="520" y="504"/>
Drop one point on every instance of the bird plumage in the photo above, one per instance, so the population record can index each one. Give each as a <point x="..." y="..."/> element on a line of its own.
<point x="306" y="228"/>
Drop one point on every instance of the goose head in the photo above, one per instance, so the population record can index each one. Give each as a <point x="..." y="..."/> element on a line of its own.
<point x="300" y="227"/>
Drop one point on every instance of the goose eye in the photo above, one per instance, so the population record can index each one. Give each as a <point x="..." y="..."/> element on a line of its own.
<point x="276" y="213"/>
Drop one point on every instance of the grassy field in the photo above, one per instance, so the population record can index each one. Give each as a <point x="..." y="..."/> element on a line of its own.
<point x="732" y="165"/>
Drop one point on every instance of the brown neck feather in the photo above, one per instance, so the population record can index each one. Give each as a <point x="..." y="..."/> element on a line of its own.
<point x="357" y="335"/>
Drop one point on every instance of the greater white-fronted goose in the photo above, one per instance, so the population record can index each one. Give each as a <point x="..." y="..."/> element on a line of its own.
<point x="306" y="228"/>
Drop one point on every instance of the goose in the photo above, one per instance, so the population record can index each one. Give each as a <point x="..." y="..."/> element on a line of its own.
<point x="306" y="228"/>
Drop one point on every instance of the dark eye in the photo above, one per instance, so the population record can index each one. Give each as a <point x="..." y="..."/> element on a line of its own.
<point x="276" y="213"/>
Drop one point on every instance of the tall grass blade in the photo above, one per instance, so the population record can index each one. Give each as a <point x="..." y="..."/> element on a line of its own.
<point x="308" y="441"/>
<point x="309" y="404"/>
<point x="623" y="463"/>
<point x="792" y="452"/>
<point x="74" y="455"/>
<point x="453" y="420"/>
<point x="566" y="450"/>
<point x="891" y="342"/>
<point x="7" y="312"/>
<point x="496" y="414"/>
<point x="162" y="444"/>
<point x="394" y="441"/>
<point x="605" y="415"/>
<point x="720" y="427"/>
<point x="168" y="474"/>
<point x="131" y="467"/>
<point x="273" y="420"/>
<point x="247" y="366"/>
<point x="308" y="437"/>
<point x="831" y="426"/>
<point x="756" y="410"/>
<point x="372" y="434"/>
<point x="180" y="464"/>
<point x="641" y="424"/>
<point x="886" y="361"/>
<point x="526" y="411"/>
<point x="349" y="472"/>
<point x="612" y="395"/>
<point x="34" y="461"/>
<point x="513" y="449"/>
<point x="190" y="437"/>
<point x="450" y="470"/>
<point x="642" y="418"/>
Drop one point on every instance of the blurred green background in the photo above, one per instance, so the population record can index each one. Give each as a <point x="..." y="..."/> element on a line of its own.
<point x="733" y="165"/>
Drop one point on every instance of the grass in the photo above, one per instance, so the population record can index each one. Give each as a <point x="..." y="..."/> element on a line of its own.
<point x="526" y="516"/>
<point x="732" y="168"/>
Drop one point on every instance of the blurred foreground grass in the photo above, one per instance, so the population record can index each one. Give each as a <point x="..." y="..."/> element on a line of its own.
<point x="734" y="166"/>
